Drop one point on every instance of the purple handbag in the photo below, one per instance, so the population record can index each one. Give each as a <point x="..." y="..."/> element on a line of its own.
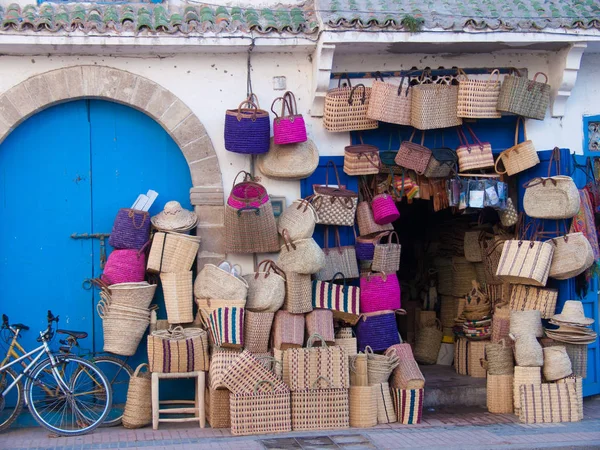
<point x="247" y="130"/>
<point x="365" y="245"/>
<point x="377" y="330"/>
<point x="131" y="229"/>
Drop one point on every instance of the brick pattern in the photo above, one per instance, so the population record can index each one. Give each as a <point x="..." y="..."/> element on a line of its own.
<point x="92" y="81"/>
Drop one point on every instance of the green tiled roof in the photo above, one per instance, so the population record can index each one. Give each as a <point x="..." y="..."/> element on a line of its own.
<point x="503" y="15"/>
<point x="117" y="19"/>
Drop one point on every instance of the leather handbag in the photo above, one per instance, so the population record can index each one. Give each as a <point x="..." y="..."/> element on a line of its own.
<point x="334" y="205"/>
<point x="338" y="259"/>
<point x="413" y="156"/>
<point x="342" y="299"/>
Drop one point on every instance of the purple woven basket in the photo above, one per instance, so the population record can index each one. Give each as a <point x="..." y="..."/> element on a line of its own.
<point x="378" y="330"/>
<point x="364" y="251"/>
<point x="247" y="130"/>
<point x="131" y="229"/>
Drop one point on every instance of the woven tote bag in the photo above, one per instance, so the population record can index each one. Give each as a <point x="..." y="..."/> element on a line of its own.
<point x="266" y="288"/>
<point x="251" y="229"/>
<point x="475" y="155"/>
<point x="385" y="404"/>
<point x="214" y="282"/>
<point x="363" y="406"/>
<point x="386" y="257"/>
<point x="557" y="364"/>
<point x="299" y="219"/>
<point x="334" y="205"/>
<point x="346" y="108"/>
<point x="247" y="192"/>
<point x="260" y="412"/>
<point x="179" y="296"/>
<point x="124" y="266"/>
<point x="435" y="105"/>
<point x="226" y="327"/>
<point x="138" y="406"/>
<point x="551" y="198"/>
<point x="526" y="322"/>
<point x="499" y="358"/>
<point x="298" y="298"/>
<point x="172" y="252"/>
<point x="413" y="156"/>
<point x="247" y="130"/>
<point x="304" y="366"/>
<point x="365" y="245"/>
<point x="519" y="157"/>
<point x="491" y="252"/>
<point x="408" y="405"/>
<point x="528" y="351"/>
<point x="428" y="343"/>
<point x="338" y="259"/>
<point x="320" y="322"/>
<point x="379" y="292"/>
<point x="389" y="102"/>
<point x="242" y="374"/>
<point x="523" y="97"/>
<point x="320" y="408"/>
<point x="442" y="163"/>
<point x="303" y="256"/>
<point x="361" y="159"/>
<point x="572" y="256"/>
<point x="131" y="229"/>
<point x="500" y="393"/>
<point x="257" y="331"/>
<point x="288" y="128"/>
<point x="288" y="330"/>
<point x="524" y="298"/>
<point x="220" y="361"/>
<point x="178" y="350"/>
<point x="378" y="330"/>
<point x="289" y="161"/>
<point x="525" y="262"/>
<point x="380" y="367"/>
<point x="342" y="299"/>
<point x="366" y="220"/>
<point x="477" y="99"/>
<point x="551" y="402"/>
<point x="384" y="208"/>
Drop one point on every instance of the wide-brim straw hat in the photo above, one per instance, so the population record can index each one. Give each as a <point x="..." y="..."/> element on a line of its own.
<point x="175" y="218"/>
<point x="572" y="313"/>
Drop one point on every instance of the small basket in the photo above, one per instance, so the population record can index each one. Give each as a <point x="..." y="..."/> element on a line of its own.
<point x="138" y="407"/>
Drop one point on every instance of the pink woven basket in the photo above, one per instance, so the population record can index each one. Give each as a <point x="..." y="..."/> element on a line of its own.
<point x="379" y="292"/>
<point x="384" y="209"/>
<point x="289" y="129"/>
<point x="247" y="193"/>
<point x="125" y="266"/>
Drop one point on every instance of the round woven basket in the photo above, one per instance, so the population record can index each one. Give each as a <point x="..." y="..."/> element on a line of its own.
<point x="359" y="370"/>
<point x="526" y="322"/>
<point x="500" y="393"/>
<point x="428" y="343"/>
<point x="138" y="407"/>
<point x="528" y="351"/>
<point x="132" y="294"/>
<point x="499" y="358"/>
<point x="407" y="375"/>
<point x="525" y="375"/>
<point x="298" y="219"/>
<point x="122" y="331"/>
<point x="179" y="297"/>
<point x="213" y="282"/>
<point x="557" y="364"/>
<point x="363" y="406"/>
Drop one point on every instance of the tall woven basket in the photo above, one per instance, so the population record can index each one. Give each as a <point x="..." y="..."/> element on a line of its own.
<point x="428" y="343"/>
<point x="179" y="297"/>
<point x="385" y="404"/>
<point x="251" y="229"/>
<point x="363" y="406"/>
<point x="138" y="407"/>
<point x="500" y="394"/>
<point x="525" y="376"/>
<point x="172" y="252"/>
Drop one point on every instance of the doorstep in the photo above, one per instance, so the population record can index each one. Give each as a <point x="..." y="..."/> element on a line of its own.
<point x="445" y="388"/>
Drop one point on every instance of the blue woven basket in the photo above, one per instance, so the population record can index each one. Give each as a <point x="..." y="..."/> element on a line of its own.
<point x="247" y="130"/>
<point x="377" y="330"/>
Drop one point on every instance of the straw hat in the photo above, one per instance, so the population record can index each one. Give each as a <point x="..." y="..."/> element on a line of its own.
<point x="573" y="313"/>
<point x="175" y="218"/>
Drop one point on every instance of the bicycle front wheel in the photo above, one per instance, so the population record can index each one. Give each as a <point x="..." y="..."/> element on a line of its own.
<point x="119" y="374"/>
<point x="71" y="398"/>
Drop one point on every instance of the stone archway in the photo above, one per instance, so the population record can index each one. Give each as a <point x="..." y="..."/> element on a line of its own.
<point x="90" y="81"/>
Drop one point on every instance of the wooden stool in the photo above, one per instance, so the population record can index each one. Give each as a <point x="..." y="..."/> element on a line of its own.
<point x="197" y="410"/>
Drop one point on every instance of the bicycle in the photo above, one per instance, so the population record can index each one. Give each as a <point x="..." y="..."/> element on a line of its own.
<point x="64" y="393"/>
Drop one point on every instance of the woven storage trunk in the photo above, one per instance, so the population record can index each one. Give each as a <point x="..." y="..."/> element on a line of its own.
<point x="216" y="402"/>
<point x="226" y="326"/>
<point x="320" y="321"/>
<point x="247" y="374"/>
<point x="213" y="282"/>
<point x="461" y="356"/>
<point x="573" y="255"/>
<point x="178" y="350"/>
<point x="220" y="361"/>
<point x="257" y="331"/>
<point x="131" y="229"/>
<point x="260" y="412"/>
<point x="320" y="408"/>
<point x="385" y="404"/>
<point x="525" y="262"/>
<point x="525" y="376"/>
<point x="578" y="354"/>
<point x="288" y="330"/>
<point x="428" y="343"/>
<point x="298" y="293"/>
<point x="551" y="198"/>
<point x="408" y="405"/>
<point x="476" y="352"/>
<point x="359" y="375"/>
<point x="361" y="159"/>
<point x="525" y="298"/>
<point x="377" y="330"/>
<point x="299" y="219"/>
<point x="266" y="288"/>
<point x="172" y="252"/>
<point x="138" y="406"/>
<point x="346" y="109"/>
<point x="390" y="103"/>
<point x="251" y="229"/>
<point x="500" y="394"/>
<point x="179" y="297"/>
<point x="304" y="366"/>
<point x="520" y="157"/>
<point x="477" y="99"/>
<point x="363" y="406"/>
<point x="434" y="106"/>
<point x="523" y="97"/>
<point x="551" y="403"/>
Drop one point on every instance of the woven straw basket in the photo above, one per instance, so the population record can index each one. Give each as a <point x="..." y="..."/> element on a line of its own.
<point x="407" y="374"/>
<point x="385" y="404"/>
<point x="557" y="364"/>
<point x="573" y="255"/>
<point x="526" y="322"/>
<point x="380" y="367"/>
<point x="463" y="275"/>
<point x="525" y="376"/>
<point x="178" y="350"/>
<point x="290" y="161"/>
<point x="363" y="406"/>
<point x="499" y="359"/>
<point x="213" y="282"/>
<point x="251" y="229"/>
<point x="303" y="256"/>
<point x="434" y="106"/>
<point x="500" y="393"/>
<point x="359" y="370"/>
<point x="525" y="262"/>
<point x="477" y="99"/>
<point x="476" y="352"/>
<point x="298" y="293"/>
<point x="266" y="288"/>
<point x="528" y="351"/>
<point x="390" y="103"/>
<point x="523" y="97"/>
<point x="524" y="298"/>
<point x="172" y="252"/>
<point x="257" y="331"/>
<point x="428" y="343"/>
<point x="132" y="294"/>
<point x="578" y="354"/>
<point x="179" y="298"/>
<point x="472" y="247"/>
<point x="138" y="407"/>
<point x="346" y="109"/>
<point x="122" y="330"/>
<point x="299" y="219"/>
<point x="216" y="402"/>
<point x="520" y="157"/>
<point x="320" y="408"/>
<point x="552" y="402"/>
<point x="551" y="198"/>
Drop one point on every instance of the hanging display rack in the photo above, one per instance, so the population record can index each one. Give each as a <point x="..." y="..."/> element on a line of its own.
<point x="419" y="72"/>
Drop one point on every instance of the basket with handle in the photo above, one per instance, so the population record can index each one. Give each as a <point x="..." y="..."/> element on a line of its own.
<point x="299" y="219"/>
<point x="338" y="259"/>
<point x="525" y="376"/>
<point x="442" y="163"/>
<point x="303" y="256"/>
<point x="378" y="330"/>
<point x="435" y="105"/>
<point x="289" y="161"/>
<point x="124" y="266"/>
<point x="379" y="291"/>
<point x="386" y="257"/>
<point x="251" y="229"/>
<point x="477" y="99"/>
<point x="385" y="211"/>
<point x="346" y="108"/>
<point x="361" y="159"/>
<point x="359" y="370"/>
<point x="214" y="282"/>
<point x="334" y="205"/>
<point x="519" y="157"/>
<point x="389" y="102"/>
<point x="428" y="343"/>
<point x="557" y="363"/>
<point x="245" y="371"/>
<point x="320" y="408"/>
<point x="523" y="97"/>
<point x="475" y="155"/>
<point x="499" y="359"/>
<point x="342" y="299"/>
<point x="178" y="350"/>
<point x="413" y="156"/>
<point x="123" y="331"/>
<point x="226" y="327"/>
<point x="132" y="294"/>
<point x="266" y="288"/>
<point x="247" y="192"/>
<point x="138" y="406"/>
<point x="407" y="374"/>
<point x="380" y="367"/>
<point x="131" y="229"/>
<point x="247" y="129"/>
<point x="290" y="128"/>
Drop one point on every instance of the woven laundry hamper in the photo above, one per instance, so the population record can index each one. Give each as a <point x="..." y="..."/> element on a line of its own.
<point x="363" y="406"/>
<point x="500" y="393"/>
<point x="172" y="252"/>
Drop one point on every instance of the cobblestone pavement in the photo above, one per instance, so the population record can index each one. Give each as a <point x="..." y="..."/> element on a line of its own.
<point x="466" y="429"/>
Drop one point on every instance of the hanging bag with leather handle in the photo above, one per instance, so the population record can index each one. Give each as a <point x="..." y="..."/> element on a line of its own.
<point x="364" y="213"/>
<point x="387" y="255"/>
<point x="384" y="207"/>
<point x="346" y="108"/>
<point x="434" y="105"/>
<point x="266" y="288"/>
<point x="342" y="299"/>
<point x="290" y="128"/>
<point x="338" y="259"/>
<point x="523" y="97"/>
<point x="472" y="156"/>
<point x="334" y="205"/>
<point x="413" y="156"/>
<point x="299" y="219"/>
<point x="303" y="256"/>
<point x="247" y="130"/>
<point x="361" y="159"/>
<point x="390" y="103"/>
<point x="519" y="157"/>
<point x="442" y="163"/>
<point x="477" y="99"/>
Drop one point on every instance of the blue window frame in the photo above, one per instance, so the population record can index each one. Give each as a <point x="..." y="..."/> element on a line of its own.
<point x="591" y="135"/>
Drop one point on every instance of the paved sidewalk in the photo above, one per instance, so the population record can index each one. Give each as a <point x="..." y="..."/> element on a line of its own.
<point x="472" y="429"/>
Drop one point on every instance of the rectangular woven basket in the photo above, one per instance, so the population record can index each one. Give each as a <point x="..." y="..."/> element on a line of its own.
<point x="525" y="298"/>
<point x="320" y="409"/>
<point x="551" y="402"/>
<point x="178" y="355"/>
<point x="408" y="405"/>
<point x="216" y="403"/>
<point x="260" y="413"/>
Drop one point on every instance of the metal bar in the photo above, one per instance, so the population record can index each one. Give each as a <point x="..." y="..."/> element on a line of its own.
<point x="90" y="236"/>
<point x="419" y="72"/>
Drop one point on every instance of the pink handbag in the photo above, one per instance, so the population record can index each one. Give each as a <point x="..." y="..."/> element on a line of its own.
<point x="379" y="292"/>
<point x="384" y="209"/>
<point x="289" y="129"/>
<point x="125" y="266"/>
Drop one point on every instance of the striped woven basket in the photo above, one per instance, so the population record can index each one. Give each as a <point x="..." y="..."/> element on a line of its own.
<point x="477" y="99"/>
<point x="408" y="405"/>
<point x="260" y="412"/>
<point x="500" y="393"/>
<point x="346" y="109"/>
<point x="178" y="350"/>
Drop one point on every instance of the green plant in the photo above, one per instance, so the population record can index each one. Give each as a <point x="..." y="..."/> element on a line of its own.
<point x="412" y="23"/>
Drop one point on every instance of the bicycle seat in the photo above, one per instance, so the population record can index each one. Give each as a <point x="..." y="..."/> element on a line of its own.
<point x="20" y="326"/>
<point x="75" y="334"/>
